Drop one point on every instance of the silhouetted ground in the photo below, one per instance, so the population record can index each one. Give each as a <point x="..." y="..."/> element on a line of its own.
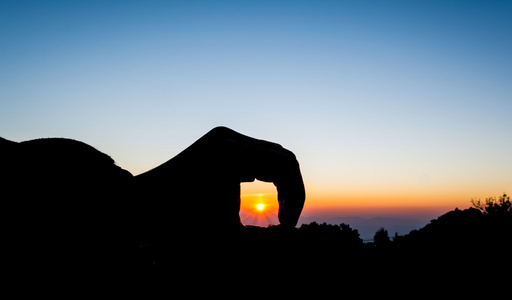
<point x="73" y="218"/>
<point x="456" y="239"/>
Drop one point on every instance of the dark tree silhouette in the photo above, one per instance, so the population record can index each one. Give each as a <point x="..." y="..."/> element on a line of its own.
<point x="381" y="238"/>
<point x="493" y="206"/>
<point x="328" y="237"/>
<point x="351" y="236"/>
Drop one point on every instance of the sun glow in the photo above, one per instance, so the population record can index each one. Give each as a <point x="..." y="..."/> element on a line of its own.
<point x="259" y="205"/>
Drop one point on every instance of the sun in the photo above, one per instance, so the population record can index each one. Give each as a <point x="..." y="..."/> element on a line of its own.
<point x="260" y="206"/>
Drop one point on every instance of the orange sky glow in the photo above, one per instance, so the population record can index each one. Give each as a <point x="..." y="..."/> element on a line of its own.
<point x="332" y="202"/>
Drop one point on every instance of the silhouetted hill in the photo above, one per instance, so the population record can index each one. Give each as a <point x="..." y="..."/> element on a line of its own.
<point x="462" y="230"/>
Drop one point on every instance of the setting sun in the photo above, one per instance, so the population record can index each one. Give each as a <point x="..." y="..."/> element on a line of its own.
<point x="258" y="203"/>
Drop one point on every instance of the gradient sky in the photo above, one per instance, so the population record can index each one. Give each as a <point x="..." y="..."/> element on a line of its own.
<point x="390" y="106"/>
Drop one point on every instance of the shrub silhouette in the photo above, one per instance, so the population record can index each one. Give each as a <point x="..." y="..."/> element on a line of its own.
<point x="493" y="206"/>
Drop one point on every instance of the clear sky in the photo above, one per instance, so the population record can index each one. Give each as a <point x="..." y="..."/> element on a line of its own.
<point x="390" y="106"/>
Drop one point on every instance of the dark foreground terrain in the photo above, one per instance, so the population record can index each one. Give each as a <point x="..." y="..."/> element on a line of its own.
<point x="460" y="245"/>
<point x="73" y="220"/>
<point x="462" y="251"/>
<point x="461" y="238"/>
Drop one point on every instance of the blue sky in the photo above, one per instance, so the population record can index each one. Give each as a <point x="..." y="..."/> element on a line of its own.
<point x="404" y="99"/>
